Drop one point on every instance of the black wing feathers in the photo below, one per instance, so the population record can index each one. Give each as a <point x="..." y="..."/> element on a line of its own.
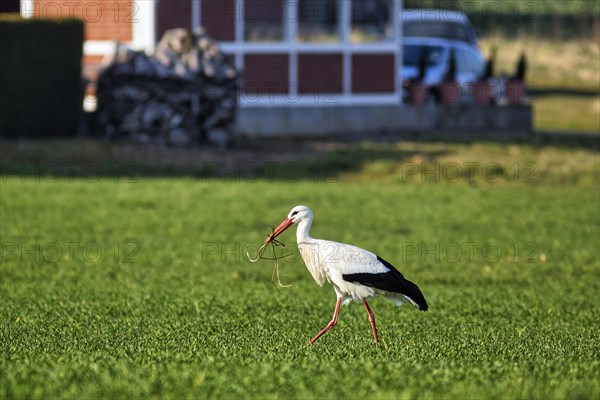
<point x="392" y="281"/>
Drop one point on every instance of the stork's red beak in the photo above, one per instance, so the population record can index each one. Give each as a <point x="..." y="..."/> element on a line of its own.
<point x="279" y="230"/>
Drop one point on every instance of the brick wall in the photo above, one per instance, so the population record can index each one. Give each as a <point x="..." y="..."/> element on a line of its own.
<point x="264" y="73"/>
<point x="104" y="19"/>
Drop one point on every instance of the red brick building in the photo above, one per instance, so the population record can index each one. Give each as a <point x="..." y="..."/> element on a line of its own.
<point x="290" y="51"/>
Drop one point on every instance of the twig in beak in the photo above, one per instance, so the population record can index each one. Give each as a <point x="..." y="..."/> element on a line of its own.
<point x="274" y="243"/>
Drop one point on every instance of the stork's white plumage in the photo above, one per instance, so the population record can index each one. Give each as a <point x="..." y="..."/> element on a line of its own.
<point x="355" y="273"/>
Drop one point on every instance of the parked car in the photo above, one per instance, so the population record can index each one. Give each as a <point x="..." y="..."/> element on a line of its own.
<point x="469" y="62"/>
<point x="441" y="24"/>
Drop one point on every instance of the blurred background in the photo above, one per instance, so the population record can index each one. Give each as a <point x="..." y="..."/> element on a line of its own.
<point x="199" y="72"/>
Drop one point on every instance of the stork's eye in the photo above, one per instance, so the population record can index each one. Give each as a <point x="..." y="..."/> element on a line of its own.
<point x="294" y="213"/>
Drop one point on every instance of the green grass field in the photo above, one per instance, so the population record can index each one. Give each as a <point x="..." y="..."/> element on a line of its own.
<point x="138" y="287"/>
<point x="563" y="79"/>
<point x="566" y="113"/>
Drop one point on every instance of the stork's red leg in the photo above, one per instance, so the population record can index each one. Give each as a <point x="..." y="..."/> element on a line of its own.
<point x="331" y="323"/>
<point x="372" y="321"/>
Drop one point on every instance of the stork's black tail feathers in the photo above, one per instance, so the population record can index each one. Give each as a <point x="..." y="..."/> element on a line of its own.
<point x="392" y="281"/>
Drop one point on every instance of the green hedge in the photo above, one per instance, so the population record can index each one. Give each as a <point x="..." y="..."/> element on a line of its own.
<point x="40" y="77"/>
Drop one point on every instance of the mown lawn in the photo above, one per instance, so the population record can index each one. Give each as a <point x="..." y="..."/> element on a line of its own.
<point x="563" y="78"/>
<point x="564" y="113"/>
<point x="139" y="287"/>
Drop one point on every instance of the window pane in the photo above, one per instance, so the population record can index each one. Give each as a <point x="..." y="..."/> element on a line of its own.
<point x="435" y="29"/>
<point x="263" y="20"/>
<point x="477" y="65"/>
<point x="462" y="64"/>
<point x="318" y="21"/>
<point x="413" y="54"/>
<point x="371" y="21"/>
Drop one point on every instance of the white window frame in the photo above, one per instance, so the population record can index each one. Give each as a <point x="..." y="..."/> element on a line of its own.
<point x="290" y="46"/>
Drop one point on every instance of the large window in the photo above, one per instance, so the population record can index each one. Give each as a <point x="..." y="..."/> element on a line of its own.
<point x="10" y="6"/>
<point x="311" y="52"/>
<point x="263" y="20"/>
<point x="318" y="21"/>
<point x="371" y="21"/>
<point x="413" y="54"/>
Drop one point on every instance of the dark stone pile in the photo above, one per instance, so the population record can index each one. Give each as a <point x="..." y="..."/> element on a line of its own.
<point x="183" y="95"/>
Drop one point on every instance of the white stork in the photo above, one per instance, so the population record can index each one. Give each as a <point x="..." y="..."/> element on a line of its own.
<point x="355" y="273"/>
